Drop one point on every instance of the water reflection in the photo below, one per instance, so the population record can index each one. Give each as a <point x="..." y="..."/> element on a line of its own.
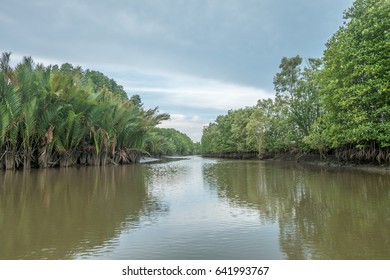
<point x="195" y="209"/>
<point x="58" y="213"/>
<point x="322" y="213"/>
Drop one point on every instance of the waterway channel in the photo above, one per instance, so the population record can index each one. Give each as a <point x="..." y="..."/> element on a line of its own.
<point x="195" y="208"/>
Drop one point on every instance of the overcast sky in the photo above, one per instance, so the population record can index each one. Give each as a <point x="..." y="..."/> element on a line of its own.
<point x="194" y="59"/>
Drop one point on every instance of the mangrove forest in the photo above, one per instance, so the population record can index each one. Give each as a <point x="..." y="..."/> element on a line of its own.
<point x="337" y="105"/>
<point x="64" y="116"/>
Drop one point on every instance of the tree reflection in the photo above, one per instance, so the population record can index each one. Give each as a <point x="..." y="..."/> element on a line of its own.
<point x="57" y="213"/>
<point x="323" y="213"/>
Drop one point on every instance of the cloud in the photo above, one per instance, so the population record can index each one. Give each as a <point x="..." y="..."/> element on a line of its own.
<point x="195" y="118"/>
<point x="218" y="96"/>
<point x="188" y="124"/>
<point x="192" y="101"/>
<point x="5" y="19"/>
<point x="194" y="59"/>
<point x="239" y="42"/>
<point x="188" y="91"/>
<point x="178" y="117"/>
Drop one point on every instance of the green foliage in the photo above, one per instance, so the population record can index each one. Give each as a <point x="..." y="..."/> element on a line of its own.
<point x="100" y="81"/>
<point x="356" y="79"/>
<point x="230" y="133"/>
<point x="339" y="103"/>
<point x="277" y="133"/>
<point x="273" y="125"/>
<point x="52" y="116"/>
<point x="301" y="91"/>
<point x="136" y="100"/>
<point x="169" y="141"/>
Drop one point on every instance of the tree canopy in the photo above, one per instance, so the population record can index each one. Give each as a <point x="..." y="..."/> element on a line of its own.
<point x="168" y="142"/>
<point x="356" y="78"/>
<point x="337" y="104"/>
<point x="61" y="116"/>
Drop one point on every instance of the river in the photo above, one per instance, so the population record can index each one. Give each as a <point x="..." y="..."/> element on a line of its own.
<point x="195" y="208"/>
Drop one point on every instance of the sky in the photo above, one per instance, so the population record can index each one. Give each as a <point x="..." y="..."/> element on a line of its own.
<point x="193" y="59"/>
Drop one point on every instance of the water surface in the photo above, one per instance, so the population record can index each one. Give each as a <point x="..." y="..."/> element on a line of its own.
<point x="195" y="209"/>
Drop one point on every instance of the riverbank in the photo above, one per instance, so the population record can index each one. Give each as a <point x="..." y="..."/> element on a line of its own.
<point x="308" y="158"/>
<point x="332" y="162"/>
<point x="147" y="160"/>
<point x="236" y="155"/>
<point x="218" y="209"/>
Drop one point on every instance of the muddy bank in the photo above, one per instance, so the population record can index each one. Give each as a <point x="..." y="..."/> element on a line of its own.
<point x="307" y="158"/>
<point x="247" y="155"/>
<point x="329" y="161"/>
<point x="162" y="159"/>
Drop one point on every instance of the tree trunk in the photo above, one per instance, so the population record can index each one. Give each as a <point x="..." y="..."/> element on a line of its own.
<point x="9" y="160"/>
<point x="135" y="157"/>
<point x="103" y="158"/>
<point x="2" y="160"/>
<point x="70" y="158"/>
<point x="67" y="160"/>
<point x="27" y="159"/>
<point x="93" y="159"/>
<point x="83" y="158"/>
<point x="44" y="157"/>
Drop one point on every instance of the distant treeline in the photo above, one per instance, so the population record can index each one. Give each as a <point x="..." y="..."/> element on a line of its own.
<point x="339" y="104"/>
<point x="63" y="116"/>
<point x="170" y="142"/>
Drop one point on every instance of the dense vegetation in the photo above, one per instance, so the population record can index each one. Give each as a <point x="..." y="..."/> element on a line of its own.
<point x="168" y="142"/>
<point x="339" y="104"/>
<point x="61" y="116"/>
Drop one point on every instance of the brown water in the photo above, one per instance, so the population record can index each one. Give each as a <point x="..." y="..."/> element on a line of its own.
<point x="195" y="209"/>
